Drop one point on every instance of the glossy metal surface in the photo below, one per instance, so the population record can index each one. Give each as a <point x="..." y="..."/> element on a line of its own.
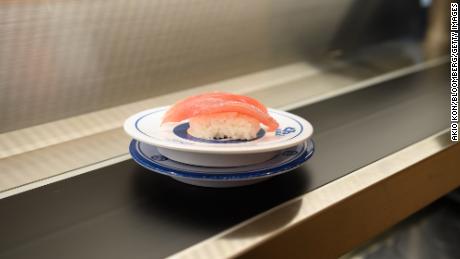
<point x="60" y="58"/>
<point x="339" y="216"/>
<point x="124" y="211"/>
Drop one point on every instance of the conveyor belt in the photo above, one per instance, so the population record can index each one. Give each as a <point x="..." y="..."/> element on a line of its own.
<point x="124" y="211"/>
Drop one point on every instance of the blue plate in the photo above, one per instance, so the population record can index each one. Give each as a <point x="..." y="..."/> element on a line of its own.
<point x="148" y="156"/>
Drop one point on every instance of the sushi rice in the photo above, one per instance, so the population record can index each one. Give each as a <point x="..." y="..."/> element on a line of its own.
<point x="226" y="125"/>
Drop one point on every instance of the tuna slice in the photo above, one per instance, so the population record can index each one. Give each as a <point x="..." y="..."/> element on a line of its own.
<point x="218" y="102"/>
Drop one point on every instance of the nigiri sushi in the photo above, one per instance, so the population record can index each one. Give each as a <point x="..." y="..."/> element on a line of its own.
<point x="219" y="115"/>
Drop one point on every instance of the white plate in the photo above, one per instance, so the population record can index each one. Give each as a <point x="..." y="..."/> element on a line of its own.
<point x="148" y="156"/>
<point x="146" y="127"/>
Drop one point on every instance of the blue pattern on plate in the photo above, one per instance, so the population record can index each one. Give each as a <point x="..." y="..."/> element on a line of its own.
<point x="278" y="132"/>
<point x="155" y="165"/>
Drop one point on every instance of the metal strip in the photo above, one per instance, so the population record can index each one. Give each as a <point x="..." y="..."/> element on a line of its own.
<point x="63" y="176"/>
<point x="226" y="245"/>
<point x="369" y="82"/>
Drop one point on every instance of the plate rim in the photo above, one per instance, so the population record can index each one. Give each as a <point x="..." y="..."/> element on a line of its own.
<point x="131" y="130"/>
<point x="257" y="174"/>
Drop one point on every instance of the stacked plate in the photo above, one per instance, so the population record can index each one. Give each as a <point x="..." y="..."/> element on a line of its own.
<point x="170" y="150"/>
